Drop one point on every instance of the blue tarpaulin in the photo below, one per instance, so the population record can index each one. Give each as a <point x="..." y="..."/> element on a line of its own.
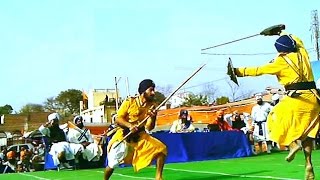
<point x="185" y="147"/>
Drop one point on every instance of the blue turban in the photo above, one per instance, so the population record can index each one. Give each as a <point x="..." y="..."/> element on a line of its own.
<point x="144" y="85"/>
<point x="183" y="113"/>
<point x="285" y="43"/>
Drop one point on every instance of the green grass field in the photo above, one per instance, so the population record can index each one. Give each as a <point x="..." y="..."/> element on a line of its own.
<point x="263" y="166"/>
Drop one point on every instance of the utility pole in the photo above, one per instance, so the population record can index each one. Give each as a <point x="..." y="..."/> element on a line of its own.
<point x="315" y="31"/>
<point x="117" y="95"/>
<point x="127" y="87"/>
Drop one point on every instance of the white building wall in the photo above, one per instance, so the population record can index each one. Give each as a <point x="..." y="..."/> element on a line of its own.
<point x="96" y="112"/>
<point x="90" y="100"/>
<point x="178" y="99"/>
<point x="94" y="115"/>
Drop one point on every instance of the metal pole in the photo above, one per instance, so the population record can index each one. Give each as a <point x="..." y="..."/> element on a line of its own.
<point x="127" y="86"/>
<point x="117" y="96"/>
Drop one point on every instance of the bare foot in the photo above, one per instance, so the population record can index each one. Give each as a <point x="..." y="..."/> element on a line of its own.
<point x="309" y="174"/>
<point x="294" y="148"/>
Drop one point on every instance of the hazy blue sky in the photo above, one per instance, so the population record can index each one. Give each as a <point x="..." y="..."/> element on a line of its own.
<point x="47" y="46"/>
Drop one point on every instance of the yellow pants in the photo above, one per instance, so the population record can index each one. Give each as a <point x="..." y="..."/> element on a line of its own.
<point x="141" y="153"/>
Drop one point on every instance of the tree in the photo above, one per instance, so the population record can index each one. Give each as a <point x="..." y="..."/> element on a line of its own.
<point x="234" y="89"/>
<point x="6" y="109"/>
<point x="237" y="93"/>
<point x="50" y="104"/>
<point x="159" y="97"/>
<point x="28" y="108"/>
<point x="165" y="90"/>
<point x="68" y="101"/>
<point x="210" y="91"/>
<point x="195" y="100"/>
<point x="245" y="94"/>
<point x="222" y="100"/>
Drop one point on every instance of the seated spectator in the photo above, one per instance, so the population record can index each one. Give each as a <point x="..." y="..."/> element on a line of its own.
<point x="219" y="124"/>
<point x="80" y="135"/>
<point x="25" y="157"/>
<point x="20" y="167"/>
<point x="60" y="149"/>
<point x="11" y="163"/>
<point x="235" y="120"/>
<point x="183" y="124"/>
<point x="241" y="121"/>
<point x="3" y="154"/>
<point x="38" y="157"/>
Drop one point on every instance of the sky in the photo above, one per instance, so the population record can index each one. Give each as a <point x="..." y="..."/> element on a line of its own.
<point x="49" y="46"/>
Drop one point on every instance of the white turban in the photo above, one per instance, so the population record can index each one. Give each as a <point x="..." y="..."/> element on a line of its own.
<point x="275" y="97"/>
<point x="76" y="118"/>
<point x="258" y="96"/>
<point x="53" y="116"/>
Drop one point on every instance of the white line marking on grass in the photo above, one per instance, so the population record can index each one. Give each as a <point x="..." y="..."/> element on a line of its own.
<point x="33" y="176"/>
<point x="234" y="175"/>
<point x="128" y="176"/>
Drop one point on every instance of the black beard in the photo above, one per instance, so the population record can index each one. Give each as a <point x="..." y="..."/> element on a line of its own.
<point x="149" y="98"/>
<point x="259" y="102"/>
<point x="55" y="126"/>
<point x="220" y="119"/>
<point x="80" y="125"/>
<point x="237" y="119"/>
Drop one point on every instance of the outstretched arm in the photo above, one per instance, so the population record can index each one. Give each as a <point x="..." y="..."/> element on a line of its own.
<point x="273" y="68"/>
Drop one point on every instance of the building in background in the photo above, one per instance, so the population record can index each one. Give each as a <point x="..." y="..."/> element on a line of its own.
<point x="177" y="99"/>
<point x="98" y="105"/>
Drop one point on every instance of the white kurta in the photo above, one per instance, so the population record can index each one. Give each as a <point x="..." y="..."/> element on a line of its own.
<point x="58" y="147"/>
<point x="76" y="136"/>
<point x="259" y="114"/>
<point x="178" y="126"/>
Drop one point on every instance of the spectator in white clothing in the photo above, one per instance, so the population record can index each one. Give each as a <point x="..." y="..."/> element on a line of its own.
<point x="59" y="147"/>
<point x="80" y="135"/>
<point x="259" y="116"/>
<point x="183" y="124"/>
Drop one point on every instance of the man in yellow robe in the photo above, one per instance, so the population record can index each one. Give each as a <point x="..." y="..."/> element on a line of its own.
<point x="142" y="148"/>
<point x="294" y="121"/>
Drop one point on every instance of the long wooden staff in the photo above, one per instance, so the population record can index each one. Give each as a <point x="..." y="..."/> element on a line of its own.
<point x="160" y="105"/>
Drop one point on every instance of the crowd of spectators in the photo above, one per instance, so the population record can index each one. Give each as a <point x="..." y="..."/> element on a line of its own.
<point x="25" y="160"/>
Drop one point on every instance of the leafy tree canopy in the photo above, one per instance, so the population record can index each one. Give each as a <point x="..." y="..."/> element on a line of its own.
<point x="195" y="100"/>
<point x="6" y="109"/>
<point x="50" y="104"/>
<point x="159" y="97"/>
<point x="68" y="101"/>
<point x="28" y="108"/>
<point x="222" y="100"/>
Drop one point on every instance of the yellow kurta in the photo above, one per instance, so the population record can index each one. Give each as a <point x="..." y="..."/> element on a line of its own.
<point x="292" y="118"/>
<point x="140" y="154"/>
